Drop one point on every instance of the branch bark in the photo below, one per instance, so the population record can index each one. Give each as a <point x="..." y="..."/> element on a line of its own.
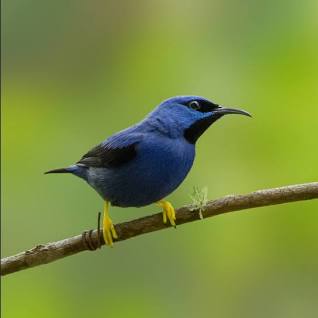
<point x="91" y="240"/>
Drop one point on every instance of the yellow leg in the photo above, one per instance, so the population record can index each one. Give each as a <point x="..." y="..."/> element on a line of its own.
<point x="168" y="212"/>
<point x="108" y="228"/>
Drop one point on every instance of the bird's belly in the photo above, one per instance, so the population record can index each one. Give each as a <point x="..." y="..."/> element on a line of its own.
<point x="149" y="178"/>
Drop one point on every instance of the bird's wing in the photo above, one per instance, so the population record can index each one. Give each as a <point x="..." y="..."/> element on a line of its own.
<point x="114" y="152"/>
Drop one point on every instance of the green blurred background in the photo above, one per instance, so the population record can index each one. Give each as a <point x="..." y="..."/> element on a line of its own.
<point x="77" y="71"/>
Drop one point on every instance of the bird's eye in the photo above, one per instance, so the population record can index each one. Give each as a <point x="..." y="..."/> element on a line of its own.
<point x="194" y="105"/>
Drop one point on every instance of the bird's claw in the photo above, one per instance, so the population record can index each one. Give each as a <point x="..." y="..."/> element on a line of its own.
<point x="168" y="213"/>
<point x="109" y="232"/>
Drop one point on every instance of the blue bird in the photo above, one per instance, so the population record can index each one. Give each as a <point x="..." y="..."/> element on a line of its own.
<point x="144" y="163"/>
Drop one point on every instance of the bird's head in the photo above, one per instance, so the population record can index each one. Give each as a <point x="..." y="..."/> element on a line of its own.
<point x="192" y="115"/>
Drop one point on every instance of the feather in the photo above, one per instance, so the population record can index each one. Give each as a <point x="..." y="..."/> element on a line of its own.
<point x="105" y="157"/>
<point x="114" y="152"/>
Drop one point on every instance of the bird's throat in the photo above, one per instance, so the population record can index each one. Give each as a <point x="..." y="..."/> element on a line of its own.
<point x="192" y="133"/>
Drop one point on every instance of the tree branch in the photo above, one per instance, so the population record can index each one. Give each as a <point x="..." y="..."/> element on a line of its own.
<point x="91" y="240"/>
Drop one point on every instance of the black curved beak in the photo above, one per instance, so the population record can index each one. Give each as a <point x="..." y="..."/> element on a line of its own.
<point x="225" y="110"/>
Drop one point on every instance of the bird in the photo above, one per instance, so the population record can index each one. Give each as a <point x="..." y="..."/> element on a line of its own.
<point x="146" y="162"/>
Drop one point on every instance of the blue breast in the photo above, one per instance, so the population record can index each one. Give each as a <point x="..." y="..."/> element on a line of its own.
<point x="158" y="169"/>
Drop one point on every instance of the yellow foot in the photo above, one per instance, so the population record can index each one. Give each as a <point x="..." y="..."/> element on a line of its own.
<point x="168" y="212"/>
<point x="109" y="232"/>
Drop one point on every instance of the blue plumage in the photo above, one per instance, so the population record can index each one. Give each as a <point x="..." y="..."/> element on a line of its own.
<point x="160" y="165"/>
<point x="146" y="162"/>
<point x="162" y="158"/>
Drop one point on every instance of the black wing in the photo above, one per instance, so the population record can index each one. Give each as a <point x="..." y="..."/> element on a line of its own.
<point x="103" y="156"/>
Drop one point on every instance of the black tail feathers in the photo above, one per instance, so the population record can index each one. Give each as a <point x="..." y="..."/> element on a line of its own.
<point x="61" y="170"/>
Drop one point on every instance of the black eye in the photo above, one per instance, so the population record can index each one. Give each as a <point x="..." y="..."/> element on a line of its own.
<point x="194" y="105"/>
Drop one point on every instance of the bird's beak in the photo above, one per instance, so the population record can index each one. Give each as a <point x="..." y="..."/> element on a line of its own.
<point x="225" y="110"/>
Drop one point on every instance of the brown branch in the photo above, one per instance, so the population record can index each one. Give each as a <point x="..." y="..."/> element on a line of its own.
<point x="43" y="254"/>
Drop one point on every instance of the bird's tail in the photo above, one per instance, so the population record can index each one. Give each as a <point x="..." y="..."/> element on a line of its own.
<point x="70" y="169"/>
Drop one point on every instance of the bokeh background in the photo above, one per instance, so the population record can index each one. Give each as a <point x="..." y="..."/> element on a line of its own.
<point x="75" y="72"/>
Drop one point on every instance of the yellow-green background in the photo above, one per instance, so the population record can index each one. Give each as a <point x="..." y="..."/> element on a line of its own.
<point x="74" y="72"/>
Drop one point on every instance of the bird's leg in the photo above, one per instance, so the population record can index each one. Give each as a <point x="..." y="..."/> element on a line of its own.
<point x="168" y="212"/>
<point x="108" y="228"/>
